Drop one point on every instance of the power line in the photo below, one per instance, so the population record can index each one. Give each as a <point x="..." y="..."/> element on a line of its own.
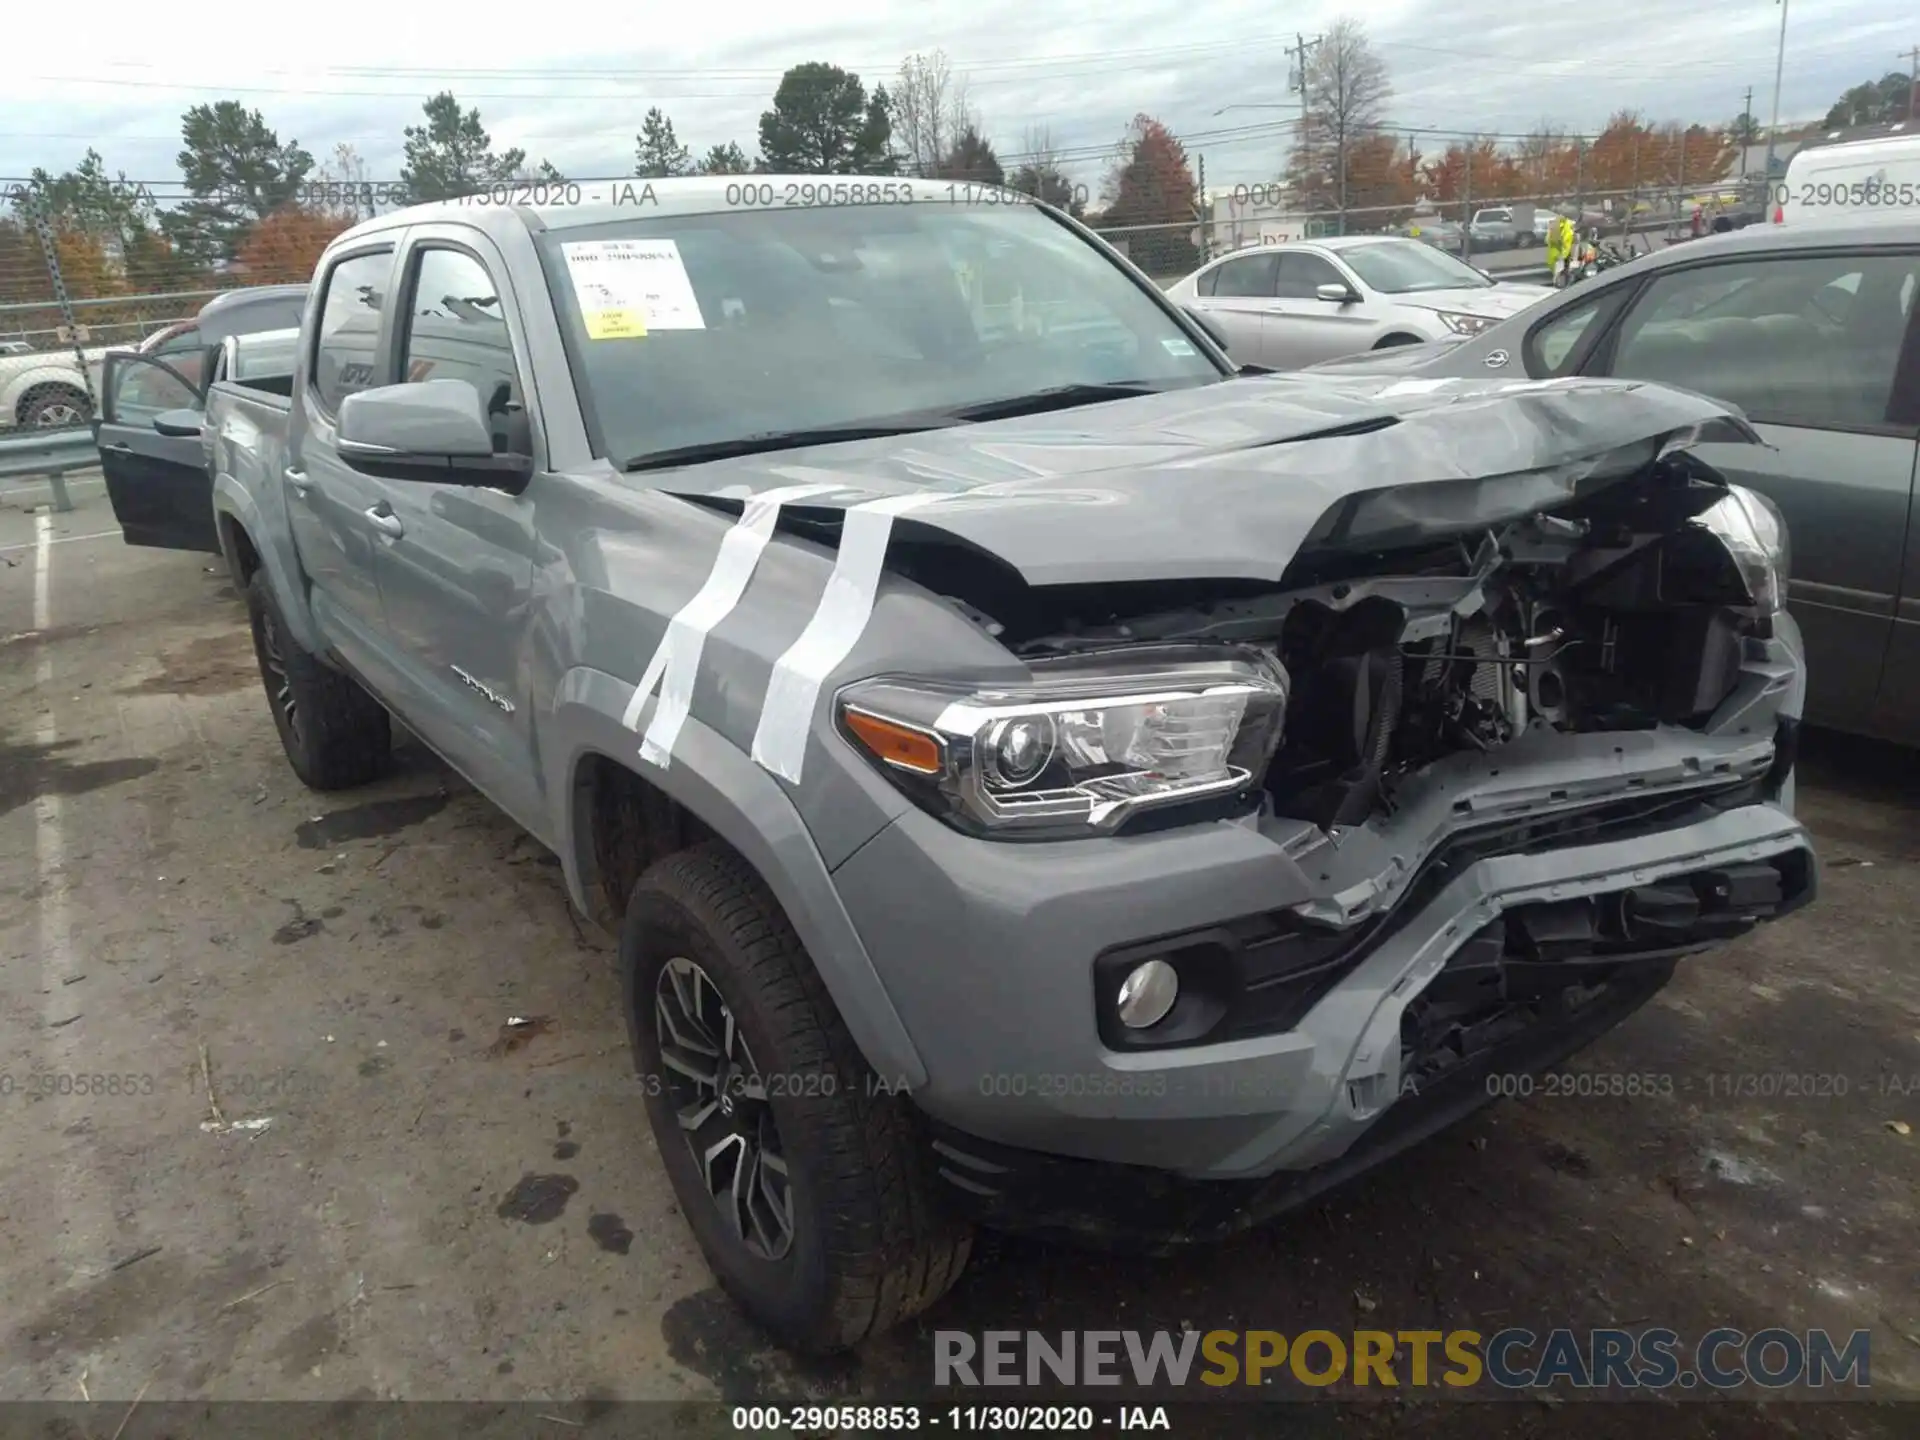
<point x="1018" y="71"/>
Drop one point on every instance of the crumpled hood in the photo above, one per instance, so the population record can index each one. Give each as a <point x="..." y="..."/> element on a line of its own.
<point x="1232" y="480"/>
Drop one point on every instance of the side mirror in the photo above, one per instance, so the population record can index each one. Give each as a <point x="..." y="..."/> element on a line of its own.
<point x="434" y="430"/>
<point x="1207" y="323"/>
<point x="180" y="424"/>
<point x="1335" y="294"/>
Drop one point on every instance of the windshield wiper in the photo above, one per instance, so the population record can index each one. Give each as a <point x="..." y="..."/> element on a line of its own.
<point x="1059" y="397"/>
<point x="775" y="440"/>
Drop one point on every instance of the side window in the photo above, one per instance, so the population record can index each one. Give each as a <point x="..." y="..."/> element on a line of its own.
<point x="1797" y="340"/>
<point x="186" y="353"/>
<point x="137" y="388"/>
<point x="456" y="331"/>
<point x="1301" y="275"/>
<point x="343" y="352"/>
<point x="1249" y="276"/>
<point x="1552" y="346"/>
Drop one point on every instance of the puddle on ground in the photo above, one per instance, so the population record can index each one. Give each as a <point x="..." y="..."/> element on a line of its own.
<point x="369" y="821"/>
<point x="30" y="771"/>
<point x="212" y="665"/>
<point x="538" y="1199"/>
<point x="610" y="1233"/>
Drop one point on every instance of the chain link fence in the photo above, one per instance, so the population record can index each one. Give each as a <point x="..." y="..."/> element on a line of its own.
<point x="82" y="275"/>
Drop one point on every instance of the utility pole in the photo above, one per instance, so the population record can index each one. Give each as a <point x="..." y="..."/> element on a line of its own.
<point x="1779" y="64"/>
<point x="1297" y="80"/>
<point x="1913" y="84"/>
<point x="1203" y="211"/>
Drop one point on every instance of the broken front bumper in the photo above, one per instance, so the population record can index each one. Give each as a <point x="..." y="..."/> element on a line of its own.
<point x="1350" y="970"/>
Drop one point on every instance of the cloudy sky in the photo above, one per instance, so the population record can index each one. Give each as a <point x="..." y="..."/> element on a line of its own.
<point x="570" y="84"/>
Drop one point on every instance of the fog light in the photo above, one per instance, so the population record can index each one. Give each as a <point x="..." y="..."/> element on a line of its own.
<point x="1147" y="994"/>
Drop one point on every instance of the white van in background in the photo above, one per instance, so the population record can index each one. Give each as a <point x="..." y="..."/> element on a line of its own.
<point x="1874" y="176"/>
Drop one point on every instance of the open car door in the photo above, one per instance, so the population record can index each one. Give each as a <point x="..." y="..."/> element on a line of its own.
<point x="153" y="453"/>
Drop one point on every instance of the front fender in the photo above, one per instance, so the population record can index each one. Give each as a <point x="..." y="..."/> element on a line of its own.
<point x="743" y="804"/>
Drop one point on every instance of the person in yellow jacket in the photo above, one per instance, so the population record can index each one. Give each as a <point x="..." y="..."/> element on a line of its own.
<point x="1559" y="247"/>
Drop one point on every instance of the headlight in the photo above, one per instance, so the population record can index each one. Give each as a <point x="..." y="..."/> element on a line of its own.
<point x="1464" y="324"/>
<point x="1755" y="535"/>
<point x="1091" y="741"/>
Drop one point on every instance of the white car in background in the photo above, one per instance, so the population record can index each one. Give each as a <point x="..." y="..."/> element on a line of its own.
<point x="1294" y="304"/>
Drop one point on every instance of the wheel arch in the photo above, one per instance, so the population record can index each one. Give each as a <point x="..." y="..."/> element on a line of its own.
<point x="240" y="520"/>
<point x="616" y="814"/>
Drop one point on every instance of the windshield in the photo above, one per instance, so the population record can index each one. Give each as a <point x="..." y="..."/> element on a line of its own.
<point x="708" y="330"/>
<point x="1404" y="268"/>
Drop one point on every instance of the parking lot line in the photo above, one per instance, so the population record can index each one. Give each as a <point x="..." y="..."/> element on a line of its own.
<point x="45" y="524"/>
<point x="79" y="1196"/>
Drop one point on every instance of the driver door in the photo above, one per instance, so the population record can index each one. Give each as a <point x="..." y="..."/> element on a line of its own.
<point x="1301" y="328"/>
<point x="158" y="484"/>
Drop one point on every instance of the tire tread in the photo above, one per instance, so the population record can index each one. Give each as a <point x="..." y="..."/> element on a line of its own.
<point x="892" y="1251"/>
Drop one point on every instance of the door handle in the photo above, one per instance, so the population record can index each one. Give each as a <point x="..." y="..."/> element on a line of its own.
<point x="297" y="479"/>
<point x="122" y="447"/>
<point x="384" y="520"/>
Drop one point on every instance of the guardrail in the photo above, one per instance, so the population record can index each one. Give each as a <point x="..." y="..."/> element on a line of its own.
<point x="50" y="454"/>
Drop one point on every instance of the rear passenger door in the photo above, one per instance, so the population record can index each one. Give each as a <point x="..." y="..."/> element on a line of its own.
<point x="1236" y="298"/>
<point x="329" y="503"/>
<point x="455" y="562"/>
<point x="1808" y="345"/>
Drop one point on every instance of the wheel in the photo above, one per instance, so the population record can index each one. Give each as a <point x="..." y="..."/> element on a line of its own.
<point x="56" y="405"/>
<point x="803" y="1180"/>
<point x="335" y="734"/>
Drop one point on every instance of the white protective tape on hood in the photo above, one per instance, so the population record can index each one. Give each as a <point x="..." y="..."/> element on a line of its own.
<point x="793" y="690"/>
<point x="677" y="660"/>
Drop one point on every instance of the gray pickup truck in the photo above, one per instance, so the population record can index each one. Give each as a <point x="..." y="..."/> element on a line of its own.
<point x="1040" y="777"/>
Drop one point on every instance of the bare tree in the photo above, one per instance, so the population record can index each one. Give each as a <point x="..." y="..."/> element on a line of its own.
<point x="1347" y="93"/>
<point x="341" y="186"/>
<point x="1040" y="175"/>
<point x="930" y="111"/>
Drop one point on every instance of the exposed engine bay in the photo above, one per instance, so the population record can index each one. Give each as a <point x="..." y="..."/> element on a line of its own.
<point x="1622" y="612"/>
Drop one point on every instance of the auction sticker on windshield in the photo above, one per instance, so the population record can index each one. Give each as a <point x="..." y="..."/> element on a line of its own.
<point x="628" y="287"/>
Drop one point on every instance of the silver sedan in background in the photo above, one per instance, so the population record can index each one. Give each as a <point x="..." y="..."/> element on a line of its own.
<point x="1297" y="303"/>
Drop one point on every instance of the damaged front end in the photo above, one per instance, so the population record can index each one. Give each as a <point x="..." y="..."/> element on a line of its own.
<point x="1453" y="685"/>
<point x="1633" y="593"/>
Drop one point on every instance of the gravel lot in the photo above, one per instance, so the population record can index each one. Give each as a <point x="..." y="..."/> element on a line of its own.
<point x="322" y="1172"/>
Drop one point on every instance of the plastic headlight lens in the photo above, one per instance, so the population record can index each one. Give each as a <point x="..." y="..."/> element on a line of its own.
<point x="1090" y="741"/>
<point x="1464" y="324"/>
<point x="1755" y="535"/>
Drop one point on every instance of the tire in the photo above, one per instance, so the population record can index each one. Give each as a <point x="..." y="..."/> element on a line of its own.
<point x="56" y="406"/>
<point x="867" y="1243"/>
<point x="335" y="734"/>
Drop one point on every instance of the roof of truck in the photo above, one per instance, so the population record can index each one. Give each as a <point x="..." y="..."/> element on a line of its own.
<point x="573" y="204"/>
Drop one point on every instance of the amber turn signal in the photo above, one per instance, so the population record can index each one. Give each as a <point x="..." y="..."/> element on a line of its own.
<point x="899" y="745"/>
